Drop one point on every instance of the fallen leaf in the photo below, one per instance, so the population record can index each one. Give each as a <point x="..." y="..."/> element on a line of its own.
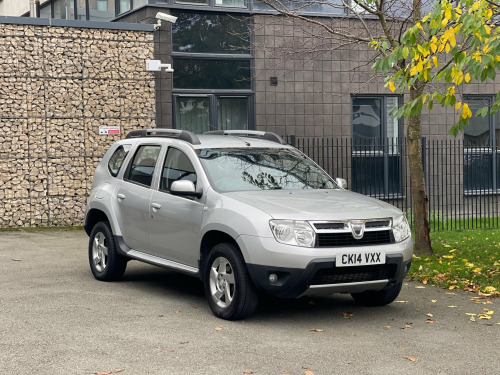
<point x="429" y="315"/>
<point x="410" y="358"/>
<point x="218" y="328"/>
<point x="17" y="260"/>
<point x="451" y="293"/>
<point x="387" y="327"/>
<point x="308" y="372"/>
<point x="420" y="287"/>
<point x="489" y="312"/>
<point x="248" y="372"/>
<point x="452" y="306"/>
<point x="348" y="315"/>
<point x="484" y="316"/>
<point x="117" y="371"/>
<point x="434" y="300"/>
<point x="177" y="311"/>
<point x="184" y="342"/>
<point x="102" y="372"/>
<point x="400" y="301"/>
<point x="429" y="320"/>
<point x="316" y="330"/>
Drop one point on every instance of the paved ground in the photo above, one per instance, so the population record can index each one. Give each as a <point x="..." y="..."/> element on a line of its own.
<point x="55" y="318"/>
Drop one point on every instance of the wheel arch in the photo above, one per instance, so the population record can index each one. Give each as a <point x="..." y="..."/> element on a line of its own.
<point x="94" y="216"/>
<point x="209" y="240"/>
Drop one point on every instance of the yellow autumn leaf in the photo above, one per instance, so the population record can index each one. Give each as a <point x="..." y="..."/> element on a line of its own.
<point x="391" y="86"/>
<point x="466" y="112"/>
<point x="467" y="78"/>
<point x="484" y="316"/>
<point x="410" y="358"/>
<point x="435" y="61"/>
<point x="487" y="29"/>
<point x="489" y="289"/>
<point x="447" y="13"/>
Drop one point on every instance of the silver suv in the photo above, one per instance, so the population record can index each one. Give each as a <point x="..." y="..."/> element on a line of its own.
<point x="246" y="213"/>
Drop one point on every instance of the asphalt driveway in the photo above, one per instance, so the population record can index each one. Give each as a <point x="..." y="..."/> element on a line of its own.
<point x="55" y="318"/>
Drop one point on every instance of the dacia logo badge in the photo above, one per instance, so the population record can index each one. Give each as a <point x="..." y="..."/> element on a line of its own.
<point x="357" y="228"/>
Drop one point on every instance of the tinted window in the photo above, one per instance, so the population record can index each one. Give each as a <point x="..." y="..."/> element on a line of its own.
<point x="211" y="74"/>
<point x="116" y="160"/>
<point x="262" y="169"/>
<point x="210" y="33"/>
<point x="177" y="167"/>
<point x="143" y="165"/>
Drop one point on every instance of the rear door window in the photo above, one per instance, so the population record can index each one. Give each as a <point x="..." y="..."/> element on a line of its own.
<point x="143" y="164"/>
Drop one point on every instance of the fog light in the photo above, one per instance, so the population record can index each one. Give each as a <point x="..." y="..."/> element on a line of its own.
<point x="273" y="278"/>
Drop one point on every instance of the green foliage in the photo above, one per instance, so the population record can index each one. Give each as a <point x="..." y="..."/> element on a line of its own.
<point x="457" y="43"/>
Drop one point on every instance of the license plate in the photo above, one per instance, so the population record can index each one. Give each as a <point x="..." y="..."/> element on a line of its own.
<point x="360" y="258"/>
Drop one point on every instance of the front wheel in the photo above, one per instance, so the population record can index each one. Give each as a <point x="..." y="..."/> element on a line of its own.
<point x="105" y="262"/>
<point x="380" y="297"/>
<point x="228" y="288"/>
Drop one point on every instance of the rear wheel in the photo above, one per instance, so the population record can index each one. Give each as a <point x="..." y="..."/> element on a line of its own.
<point x="379" y="297"/>
<point x="228" y="288"/>
<point x="105" y="262"/>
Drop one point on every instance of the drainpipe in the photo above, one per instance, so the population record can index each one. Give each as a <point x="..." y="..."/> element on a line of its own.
<point x="35" y="8"/>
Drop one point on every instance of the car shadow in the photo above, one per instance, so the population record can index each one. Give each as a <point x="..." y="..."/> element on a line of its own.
<point x="189" y="290"/>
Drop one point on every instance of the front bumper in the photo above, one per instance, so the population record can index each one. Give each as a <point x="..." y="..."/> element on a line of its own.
<point x="322" y="277"/>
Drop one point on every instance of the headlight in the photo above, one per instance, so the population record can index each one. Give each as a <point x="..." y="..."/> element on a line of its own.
<point x="400" y="228"/>
<point x="291" y="232"/>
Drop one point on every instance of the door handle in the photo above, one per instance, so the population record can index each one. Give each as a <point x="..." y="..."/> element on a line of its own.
<point x="156" y="206"/>
<point x="121" y="196"/>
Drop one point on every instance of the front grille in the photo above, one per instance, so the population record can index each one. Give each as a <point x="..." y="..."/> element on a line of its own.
<point x="338" y="275"/>
<point x="377" y="224"/>
<point x="379" y="237"/>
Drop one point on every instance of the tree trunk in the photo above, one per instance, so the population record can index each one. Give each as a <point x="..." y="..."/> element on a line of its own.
<point x="419" y="195"/>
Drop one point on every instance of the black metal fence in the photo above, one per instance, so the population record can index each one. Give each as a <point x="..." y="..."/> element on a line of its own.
<point x="463" y="184"/>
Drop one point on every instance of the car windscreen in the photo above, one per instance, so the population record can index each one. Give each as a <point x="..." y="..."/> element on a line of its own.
<point x="262" y="169"/>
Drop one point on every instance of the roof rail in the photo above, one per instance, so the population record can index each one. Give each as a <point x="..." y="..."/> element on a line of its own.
<point x="268" y="136"/>
<point x="183" y="135"/>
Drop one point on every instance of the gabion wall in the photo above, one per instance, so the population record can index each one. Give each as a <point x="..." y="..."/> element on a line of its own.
<point x="57" y="86"/>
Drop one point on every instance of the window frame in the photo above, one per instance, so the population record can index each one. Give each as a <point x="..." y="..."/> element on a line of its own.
<point x="491" y="149"/>
<point x="387" y="149"/>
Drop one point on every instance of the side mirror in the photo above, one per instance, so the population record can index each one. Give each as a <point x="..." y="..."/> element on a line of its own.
<point x="341" y="182"/>
<point x="184" y="188"/>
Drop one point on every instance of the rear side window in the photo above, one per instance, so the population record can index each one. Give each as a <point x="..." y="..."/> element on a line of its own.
<point x="143" y="165"/>
<point x="116" y="160"/>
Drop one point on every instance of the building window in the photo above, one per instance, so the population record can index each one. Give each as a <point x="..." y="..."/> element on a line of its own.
<point x="304" y="6"/>
<point x="202" y="113"/>
<point x="376" y="151"/>
<point x="212" y="82"/>
<point x="481" y="157"/>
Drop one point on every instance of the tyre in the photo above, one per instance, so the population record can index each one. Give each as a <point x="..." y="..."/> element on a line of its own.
<point x="105" y="262"/>
<point x="228" y="288"/>
<point x="379" y="297"/>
